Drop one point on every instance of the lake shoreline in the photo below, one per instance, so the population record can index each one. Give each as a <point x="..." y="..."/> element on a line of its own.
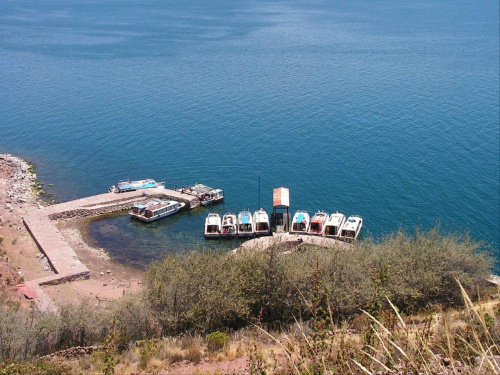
<point x="19" y="197"/>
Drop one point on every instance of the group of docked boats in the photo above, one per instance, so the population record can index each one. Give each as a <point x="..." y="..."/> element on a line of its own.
<point x="245" y="224"/>
<point x="242" y="225"/>
<point x="335" y="225"/>
<point x="154" y="209"/>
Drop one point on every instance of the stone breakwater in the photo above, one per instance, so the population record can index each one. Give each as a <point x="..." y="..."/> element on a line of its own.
<point x="41" y="224"/>
<point x="88" y="211"/>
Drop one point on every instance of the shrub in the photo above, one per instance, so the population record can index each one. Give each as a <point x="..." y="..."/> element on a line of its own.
<point x="213" y="291"/>
<point x="35" y="368"/>
<point x="216" y="340"/>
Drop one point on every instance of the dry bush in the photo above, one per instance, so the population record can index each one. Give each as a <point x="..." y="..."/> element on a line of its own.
<point x="209" y="291"/>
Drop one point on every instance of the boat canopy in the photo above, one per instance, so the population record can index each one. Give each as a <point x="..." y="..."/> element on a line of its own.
<point x="140" y="206"/>
<point x="281" y="197"/>
<point x="300" y="218"/>
<point x="244" y="220"/>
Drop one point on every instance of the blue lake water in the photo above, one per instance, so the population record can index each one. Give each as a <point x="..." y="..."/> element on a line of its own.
<point x="389" y="110"/>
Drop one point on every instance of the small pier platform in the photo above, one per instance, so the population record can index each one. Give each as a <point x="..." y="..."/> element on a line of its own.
<point x="41" y="224"/>
<point x="262" y="243"/>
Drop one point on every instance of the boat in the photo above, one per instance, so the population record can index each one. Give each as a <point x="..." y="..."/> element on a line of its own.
<point x="245" y="224"/>
<point x="261" y="223"/>
<point x="300" y="222"/>
<point x="212" y="197"/>
<point x="206" y="194"/>
<point x="155" y="209"/>
<point x="127" y="185"/>
<point x="213" y="226"/>
<point x="351" y="228"/>
<point x="317" y="226"/>
<point x="229" y="226"/>
<point x="334" y="224"/>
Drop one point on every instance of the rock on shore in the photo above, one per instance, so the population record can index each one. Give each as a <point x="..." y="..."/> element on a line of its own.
<point x="17" y="183"/>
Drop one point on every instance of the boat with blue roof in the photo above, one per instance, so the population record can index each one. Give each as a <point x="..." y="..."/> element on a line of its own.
<point x="300" y="222"/>
<point x="245" y="224"/>
<point x="127" y="185"/>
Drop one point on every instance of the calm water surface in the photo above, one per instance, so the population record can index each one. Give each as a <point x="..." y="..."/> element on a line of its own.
<point x="389" y="110"/>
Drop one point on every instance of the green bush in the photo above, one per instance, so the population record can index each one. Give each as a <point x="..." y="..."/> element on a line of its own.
<point x="216" y="340"/>
<point x="35" y="368"/>
<point x="212" y="291"/>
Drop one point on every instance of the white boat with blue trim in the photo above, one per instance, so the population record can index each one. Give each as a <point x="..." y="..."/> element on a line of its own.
<point x="351" y="228"/>
<point x="127" y="185"/>
<point x="245" y="224"/>
<point x="300" y="222"/>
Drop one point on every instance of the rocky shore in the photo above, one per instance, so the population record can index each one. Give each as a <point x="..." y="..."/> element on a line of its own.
<point x="21" y="260"/>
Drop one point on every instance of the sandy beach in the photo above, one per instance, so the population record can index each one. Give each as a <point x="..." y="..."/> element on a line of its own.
<point x="21" y="259"/>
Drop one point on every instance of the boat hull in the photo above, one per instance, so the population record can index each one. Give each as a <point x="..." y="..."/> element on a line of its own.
<point x="212" y="201"/>
<point x="154" y="218"/>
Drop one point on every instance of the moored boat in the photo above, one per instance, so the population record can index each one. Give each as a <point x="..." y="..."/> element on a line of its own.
<point x="229" y="225"/>
<point x="317" y="225"/>
<point x="300" y="222"/>
<point x="261" y="223"/>
<point x="351" y="228"/>
<point x="212" y="197"/>
<point x="127" y="185"/>
<point x="213" y="226"/>
<point x="334" y="224"/>
<point x="206" y="194"/>
<point x="245" y="224"/>
<point x="155" y="209"/>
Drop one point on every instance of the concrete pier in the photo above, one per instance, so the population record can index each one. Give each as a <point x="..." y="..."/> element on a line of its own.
<point x="41" y="224"/>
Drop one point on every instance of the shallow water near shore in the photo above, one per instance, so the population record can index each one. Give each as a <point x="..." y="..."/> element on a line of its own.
<point x="388" y="110"/>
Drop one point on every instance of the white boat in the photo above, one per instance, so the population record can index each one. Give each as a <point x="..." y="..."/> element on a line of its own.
<point x="127" y="185"/>
<point x="317" y="225"/>
<point x="245" y="224"/>
<point x="300" y="222"/>
<point x="213" y="226"/>
<point x="334" y="224"/>
<point x="261" y="223"/>
<point x="155" y="209"/>
<point x="229" y="225"/>
<point x="206" y="194"/>
<point x="351" y="228"/>
<point x="213" y="196"/>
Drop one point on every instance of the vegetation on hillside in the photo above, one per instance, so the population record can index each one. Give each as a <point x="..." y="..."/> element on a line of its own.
<point x="352" y="308"/>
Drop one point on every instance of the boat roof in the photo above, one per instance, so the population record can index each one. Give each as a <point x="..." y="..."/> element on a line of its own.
<point x="140" y="206"/>
<point x="302" y="216"/>
<point x="352" y="223"/>
<point x="200" y="188"/>
<point x="261" y="214"/>
<point x="213" y="219"/>
<point x="161" y="204"/>
<point x="319" y="217"/>
<point x="335" y="219"/>
<point x="281" y="197"/>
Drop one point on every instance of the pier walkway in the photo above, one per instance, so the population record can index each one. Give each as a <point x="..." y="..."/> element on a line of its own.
<point x="41" y="224"/>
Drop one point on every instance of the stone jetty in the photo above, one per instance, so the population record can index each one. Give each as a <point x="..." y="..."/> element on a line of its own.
<point x="41" y="224"/>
